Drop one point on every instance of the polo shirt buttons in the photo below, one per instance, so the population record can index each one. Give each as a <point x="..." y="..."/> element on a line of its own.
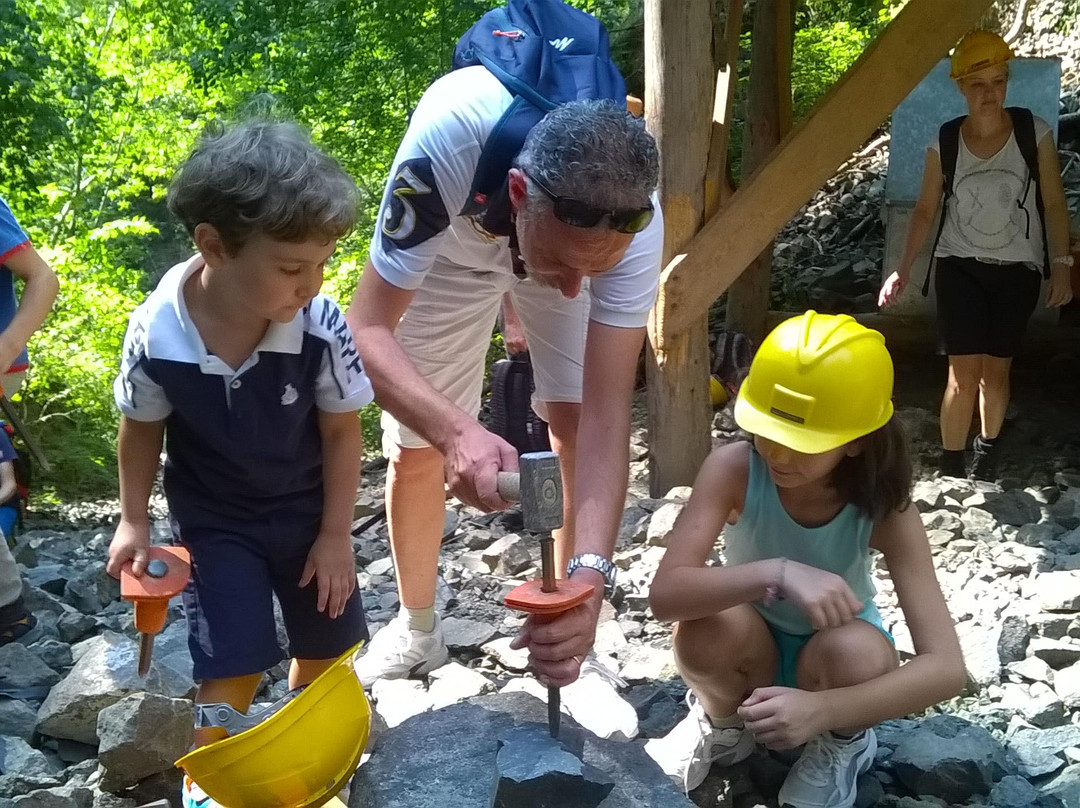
<point x="235" y="384"/>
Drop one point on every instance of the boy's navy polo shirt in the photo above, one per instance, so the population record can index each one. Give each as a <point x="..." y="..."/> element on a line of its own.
<point x="240" y="444"/>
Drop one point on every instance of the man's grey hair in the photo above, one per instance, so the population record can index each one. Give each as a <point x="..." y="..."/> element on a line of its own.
<point x="263" y="177"/>
<point x="594" y="151"/>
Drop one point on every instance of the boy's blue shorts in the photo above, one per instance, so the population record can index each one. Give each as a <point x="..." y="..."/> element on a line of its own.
<point x="788" y="647"/>
<point x="237" y="568"/>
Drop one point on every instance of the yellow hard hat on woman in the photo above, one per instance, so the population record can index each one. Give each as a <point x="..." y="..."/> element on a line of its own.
<point x="298" y="753"/>
<point x="977" y="51"/>
<point x="818" y="381"/>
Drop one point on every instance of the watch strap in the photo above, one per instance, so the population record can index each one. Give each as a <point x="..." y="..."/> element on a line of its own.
<point x="594" y="561"/>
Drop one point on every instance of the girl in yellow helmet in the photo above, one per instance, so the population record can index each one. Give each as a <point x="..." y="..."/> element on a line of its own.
<point x="782" y="645"/>
<point x="990" y="250"/>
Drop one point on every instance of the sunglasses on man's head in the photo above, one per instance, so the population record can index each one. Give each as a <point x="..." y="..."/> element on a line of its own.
<point x="576" y="213"/>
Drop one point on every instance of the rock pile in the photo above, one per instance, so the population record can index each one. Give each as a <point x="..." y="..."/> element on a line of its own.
<point x="78" y="728"/>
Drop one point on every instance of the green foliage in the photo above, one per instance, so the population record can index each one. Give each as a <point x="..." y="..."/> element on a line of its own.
<point x="102" y="99"/>
<point x="821" y="56"/>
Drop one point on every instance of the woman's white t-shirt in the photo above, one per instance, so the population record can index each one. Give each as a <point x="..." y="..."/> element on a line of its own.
<point x="983" y="218"/>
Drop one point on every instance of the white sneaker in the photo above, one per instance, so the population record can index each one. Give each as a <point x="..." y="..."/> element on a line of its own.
<point x="827" y="772"/>
<point x="691" y="748"/>
<point x="396" y="651"/>
<point x="594" y="702"/>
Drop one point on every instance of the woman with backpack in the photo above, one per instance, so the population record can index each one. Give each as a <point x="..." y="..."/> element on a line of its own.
<point x="1004" y="223"/>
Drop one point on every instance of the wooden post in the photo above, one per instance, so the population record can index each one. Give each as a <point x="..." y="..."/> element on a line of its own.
<point x="895" y="62"/>
<point x="719" y="185"/>
<point x="768" y="120"/>
<point x="679" y="87"/>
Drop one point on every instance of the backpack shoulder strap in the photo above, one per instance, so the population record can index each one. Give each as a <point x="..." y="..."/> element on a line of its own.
<point x="1024" y="130"/>
<point x="948" y="149"/>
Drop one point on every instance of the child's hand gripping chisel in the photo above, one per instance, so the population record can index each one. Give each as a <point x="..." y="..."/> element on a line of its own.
<point x="539" y="489"/>
<point x="166" y="574"/>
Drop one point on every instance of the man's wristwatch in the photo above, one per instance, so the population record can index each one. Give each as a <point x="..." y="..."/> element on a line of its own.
<point x="596" y="562"/>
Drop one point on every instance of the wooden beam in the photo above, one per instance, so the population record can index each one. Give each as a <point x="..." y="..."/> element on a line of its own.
<point x="718" y="184"/>
<point x="678" y="111"/>
<point x="768" y="119"/>
<point x="891" y="66"/>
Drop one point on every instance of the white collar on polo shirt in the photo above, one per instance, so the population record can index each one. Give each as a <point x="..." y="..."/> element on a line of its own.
<point x="172" y="334"/>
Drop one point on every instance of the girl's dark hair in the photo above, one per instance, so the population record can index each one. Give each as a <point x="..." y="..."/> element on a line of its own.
<point x="878" y="479"/>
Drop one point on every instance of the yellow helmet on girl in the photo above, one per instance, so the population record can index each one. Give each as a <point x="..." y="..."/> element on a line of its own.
<point x="818" y="381"/>
<point x="977" y="51"/>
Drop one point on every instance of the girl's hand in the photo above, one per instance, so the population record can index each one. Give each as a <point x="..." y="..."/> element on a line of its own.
<point x="824" y="597"/>
<point x="891" y="290"/>
<point x="1059" y="290"/>
<point x="783" y="717"/>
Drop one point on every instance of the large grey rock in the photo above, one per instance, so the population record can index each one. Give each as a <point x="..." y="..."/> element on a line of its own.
<point x="1037" y="752"/>
<point x="462" y="633"/>
<point x="460" y="748"/>
<point x="17" y="718"/>
<point x="19" y="757"/>
<point x="1012" y="508"/>
<point x="105" y="672"/>
<point x="22" y="668"/>
<point x="1054" y="591"/>
<point x="979" y="646"/>
<point x="16" y="785"/>
<point x="1013" y="640"/>
<point x="662" y="523"/>
<point x="1066" y="787"/>
<point x="91" y="589"/>
<point x="60" y="797"/>
<point x="535" y="769"/>
<point x="140" y="735"/>
<point x="949" y="758"/>
<point x="1013" y="792"/>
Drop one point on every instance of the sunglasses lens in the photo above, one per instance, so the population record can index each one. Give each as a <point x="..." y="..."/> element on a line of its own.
<point x="632" y="221"/>
<point x="576" y="213"/>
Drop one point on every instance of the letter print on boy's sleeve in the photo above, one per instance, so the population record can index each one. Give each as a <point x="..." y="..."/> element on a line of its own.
<point x="133" y="353"/>
<point x="413" y="210"/>
<point x="332" y="320"/>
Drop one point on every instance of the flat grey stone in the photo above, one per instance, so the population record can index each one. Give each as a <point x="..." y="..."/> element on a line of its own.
<point x="950" y="758"/>
<point x="18" y="718"/>
<point x="536" y="770"/>
<point x="1066" y="787"/>
<point x="22" y="668"/>
<point x="461" y="747"/>
<point x="19" y="757"/>
<point x="140" y="735"/>
<point x="462" y="633"/>
<point x="104" y="672"/>
<point x="1037" y="752"/>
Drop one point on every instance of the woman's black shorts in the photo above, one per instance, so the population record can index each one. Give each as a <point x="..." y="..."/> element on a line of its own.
<point x="983" y="308"/>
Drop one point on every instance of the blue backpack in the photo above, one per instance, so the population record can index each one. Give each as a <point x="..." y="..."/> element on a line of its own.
<point x="545" y="53"/>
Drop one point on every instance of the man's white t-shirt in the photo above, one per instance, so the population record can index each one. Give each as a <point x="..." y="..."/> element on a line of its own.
<point x="984" y="219"/>
<point x="419" y="222"/>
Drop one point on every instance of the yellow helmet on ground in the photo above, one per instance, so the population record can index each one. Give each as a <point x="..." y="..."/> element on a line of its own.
<point x="977" y="51"/>
<point x="299" y="752"/>
<point x="818" y="381"/>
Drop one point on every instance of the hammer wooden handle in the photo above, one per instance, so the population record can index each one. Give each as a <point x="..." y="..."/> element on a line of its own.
<point x="509" y="484"/>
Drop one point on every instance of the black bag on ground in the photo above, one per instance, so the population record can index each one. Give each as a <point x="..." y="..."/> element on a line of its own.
<point x="512" y="415"/>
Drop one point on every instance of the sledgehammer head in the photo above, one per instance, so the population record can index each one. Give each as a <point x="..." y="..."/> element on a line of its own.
<point x="538" y="486"/>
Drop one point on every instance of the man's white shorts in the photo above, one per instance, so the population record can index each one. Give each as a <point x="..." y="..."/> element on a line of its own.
<point x="446" y="332"/>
